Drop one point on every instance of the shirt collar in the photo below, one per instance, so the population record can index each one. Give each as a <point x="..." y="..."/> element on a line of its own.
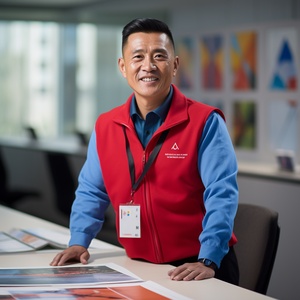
<point x="161" y="111"/>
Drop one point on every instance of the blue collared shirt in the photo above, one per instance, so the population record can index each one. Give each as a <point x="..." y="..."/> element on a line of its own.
<point x="154" y="119"/>
<point x="216" y="159"/>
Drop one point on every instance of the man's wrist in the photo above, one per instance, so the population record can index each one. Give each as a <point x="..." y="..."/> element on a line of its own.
<point x="208" y="263"/>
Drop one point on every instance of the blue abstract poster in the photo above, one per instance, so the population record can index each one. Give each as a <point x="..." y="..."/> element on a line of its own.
<point x="281" y="53"/>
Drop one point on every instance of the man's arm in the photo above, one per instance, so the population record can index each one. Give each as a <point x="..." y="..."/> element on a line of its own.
<point x="218" y="169"/>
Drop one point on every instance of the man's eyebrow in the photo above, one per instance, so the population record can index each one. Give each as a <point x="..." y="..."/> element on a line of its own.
<point x="160" y="50"/>
<point x="137" y="51"/>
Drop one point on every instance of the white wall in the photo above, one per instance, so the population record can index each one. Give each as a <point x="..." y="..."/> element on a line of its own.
<point x="216" y="14"/>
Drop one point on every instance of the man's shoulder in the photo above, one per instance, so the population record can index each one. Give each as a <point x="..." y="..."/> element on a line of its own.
<point x="199" y="108"/>
<point x="117" y="111"/>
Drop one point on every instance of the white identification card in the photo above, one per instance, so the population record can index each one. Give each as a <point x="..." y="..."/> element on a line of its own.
<point x="130" y="222"/>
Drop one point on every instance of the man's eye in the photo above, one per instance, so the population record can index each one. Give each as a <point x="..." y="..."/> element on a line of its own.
<point x="160" y="56"/>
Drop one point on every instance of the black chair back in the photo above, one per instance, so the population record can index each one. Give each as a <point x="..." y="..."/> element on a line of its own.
<point x="8" y="196"/>
<point x="257" y="230"/>
<point x="63" y="181"/>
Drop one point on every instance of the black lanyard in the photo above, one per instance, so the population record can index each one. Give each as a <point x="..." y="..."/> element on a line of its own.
<point x="135" y="184"/>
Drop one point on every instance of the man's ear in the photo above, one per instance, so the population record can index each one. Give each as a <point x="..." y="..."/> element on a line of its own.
<point x="122" y="68"/>
<point x="176" y="66"/>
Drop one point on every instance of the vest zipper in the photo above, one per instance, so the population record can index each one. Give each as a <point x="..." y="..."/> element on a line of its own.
<point x="150" y="218"/>
<point x="144" y="158"/>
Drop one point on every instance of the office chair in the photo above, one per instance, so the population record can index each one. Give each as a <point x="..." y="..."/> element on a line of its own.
<point x="10" y="197"/>
<point x="257" y="230"/>
<point x="64" y="190"/>
<point x="63" y="181"/>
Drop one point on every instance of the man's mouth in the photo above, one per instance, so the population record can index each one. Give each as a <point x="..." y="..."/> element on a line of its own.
<point x="149" y="79"/>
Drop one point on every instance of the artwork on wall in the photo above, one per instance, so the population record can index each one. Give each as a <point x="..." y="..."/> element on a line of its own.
<point x="212" y="61"/>
<point x="185" y="49"/>
<point x="242" y="70"/>
<point x="281" y="51"/>
<point x="244" y="124"/>
<point x="283" y="124"/>
<point x="243" y="52"/>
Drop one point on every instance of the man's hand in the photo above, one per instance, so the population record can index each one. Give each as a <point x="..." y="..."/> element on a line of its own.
<point x="73" y="253"/>
<point x="191" y="271"/>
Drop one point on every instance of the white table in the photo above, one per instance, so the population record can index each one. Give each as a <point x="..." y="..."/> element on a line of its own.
<point x="210" y="289"/>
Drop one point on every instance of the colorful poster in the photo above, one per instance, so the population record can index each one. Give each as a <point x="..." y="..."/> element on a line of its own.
<point x="212" y="61"/>
<point x="244" y="124"/>
<point x="281" y="52"/>
<point x="120" y="293"/>
<point x="185" y="49"/>
<point x="75" y="275"/>
<point x="243" y="55"/>
<point x="143" y="290"/>
<point x="283" y="124"/>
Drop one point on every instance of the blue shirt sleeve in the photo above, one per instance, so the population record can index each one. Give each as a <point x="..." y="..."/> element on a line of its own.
<point x="218" y="169"/>
<point x="91" y="200"/>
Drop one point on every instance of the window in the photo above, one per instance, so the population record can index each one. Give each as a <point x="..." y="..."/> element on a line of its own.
<point x="28" y="77"/>
<point x="57" y="78"/>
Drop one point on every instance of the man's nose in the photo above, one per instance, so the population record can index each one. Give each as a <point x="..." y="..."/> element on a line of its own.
<point x="149" y="65"/>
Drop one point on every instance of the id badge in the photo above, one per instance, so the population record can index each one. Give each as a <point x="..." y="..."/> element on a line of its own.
<point x="130" y="221"/>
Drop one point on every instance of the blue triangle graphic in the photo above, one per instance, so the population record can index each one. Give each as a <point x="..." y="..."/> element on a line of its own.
<point x="277" y="83"/>
<point x="285" y="69"/>
<point x="286" y="54"/>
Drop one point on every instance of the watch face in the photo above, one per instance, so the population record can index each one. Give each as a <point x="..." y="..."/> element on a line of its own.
<point x="207" y="262"/>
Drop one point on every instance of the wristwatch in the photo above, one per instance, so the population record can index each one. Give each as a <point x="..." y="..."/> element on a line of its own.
<point x="208" y="263"/>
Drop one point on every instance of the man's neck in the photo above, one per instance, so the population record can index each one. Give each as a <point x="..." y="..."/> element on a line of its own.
<point x="144" y="107"/>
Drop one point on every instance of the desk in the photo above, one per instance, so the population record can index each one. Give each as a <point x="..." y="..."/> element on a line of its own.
<point x="211" y="289"/>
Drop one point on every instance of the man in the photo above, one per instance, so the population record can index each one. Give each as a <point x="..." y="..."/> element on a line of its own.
<point x="167" y="165"/>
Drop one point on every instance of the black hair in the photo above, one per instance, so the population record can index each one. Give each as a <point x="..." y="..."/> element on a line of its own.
<point x="147" y="25"/>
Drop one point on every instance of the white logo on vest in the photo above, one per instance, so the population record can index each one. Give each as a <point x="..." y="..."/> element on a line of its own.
<point x="177" y="155"/>
<point x="175" y="147"/>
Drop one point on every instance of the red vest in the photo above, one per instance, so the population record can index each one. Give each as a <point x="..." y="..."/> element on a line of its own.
<point x="171" y="194"/>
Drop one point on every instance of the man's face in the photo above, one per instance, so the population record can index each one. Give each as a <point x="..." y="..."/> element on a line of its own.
<point x="149" y="65"/>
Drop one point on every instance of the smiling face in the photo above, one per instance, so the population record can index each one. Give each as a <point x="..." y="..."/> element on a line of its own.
<point x="149" y="65"/>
